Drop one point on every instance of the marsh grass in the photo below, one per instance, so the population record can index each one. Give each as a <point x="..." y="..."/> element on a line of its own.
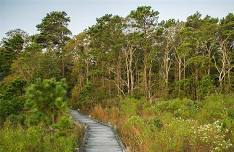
<point x="39" y="139"/>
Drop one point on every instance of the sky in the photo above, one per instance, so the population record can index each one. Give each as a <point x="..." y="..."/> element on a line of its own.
<point x="26" y="14"/>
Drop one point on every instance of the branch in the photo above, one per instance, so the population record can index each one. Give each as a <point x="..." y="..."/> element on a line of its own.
<point x="216" y="66"/>
<point x="117" y="86"/>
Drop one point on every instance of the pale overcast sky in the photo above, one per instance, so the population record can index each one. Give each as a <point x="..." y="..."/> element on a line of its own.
<point x="26" y="14"/>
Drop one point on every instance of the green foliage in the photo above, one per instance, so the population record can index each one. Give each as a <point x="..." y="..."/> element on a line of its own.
<point x="217" y="107"/>
<point x="155" y="123"/>
<point x="86" y="97"/>
<point x="183" y="108"/>
<point x="38" y="139"/>
<point x="5" y="61"/>
<point x="46" y="98"/>
<point x="33" y="64"/>
<point x="174" y="131"/>
<point x="53" y="30"/>
<point x="12" y="46"/>
<point x="145" y="58"/>
<point x="205" y="87"/>
<point x="81" y="97"/>
<point x="85" y="93"/>
<point x="157" y="133"/>
<point x="12" y="100"/>
<point x="144" y="15"/>
<point x="205" y="125"/>
<point x="48" y="67"/>
<point x="129" y="106"/>
<point x="65" y="122"/>
<point x="227" y="24"/>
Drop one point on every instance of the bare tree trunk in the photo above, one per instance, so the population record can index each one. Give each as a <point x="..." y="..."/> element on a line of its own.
<point x="225" y="67"/>
<point x="63" y="65"/>
<point x="195" y="84"/>
<point x="109" y="83"/>
<point x="103" y="79"/>
<point x="131" y="70"/>
<point x="128" y="66"/>
<point x="87" y="71"/>
<point x="209" y="56"/>
<point x="184" y="73"/>
<point x="118" y="75"/>
<point x="149" y="84"/>
<point x="145" y="81"/>
<point x="127" y="71"/>
<point x="166" y="69"/>
<point x="179" y="74"/>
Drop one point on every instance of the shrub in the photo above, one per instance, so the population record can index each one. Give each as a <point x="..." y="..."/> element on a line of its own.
<point x="216" y="107"/>
<point x="46" y="100"/>
<point x="65" y="122"/>
<point x="211" y="137"/>
<point x="129" y="106"/>
<point x="184" y="108"/>
<point x="174" y="135"/>
<point x="135" y="133"/>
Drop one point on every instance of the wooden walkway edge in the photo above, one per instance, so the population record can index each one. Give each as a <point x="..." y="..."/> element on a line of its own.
<point x="99" y="137"/>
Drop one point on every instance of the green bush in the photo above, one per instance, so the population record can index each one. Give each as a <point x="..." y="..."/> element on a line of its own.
<point x="46" y="100"/>
<point x="129" y="106"/>
<point x="65" y="122"/>
<point x="177" y="132"/>
<point x="11" y="100"/>
<point x="37" y="139"/>
<point x="216" y="107"/>
<point x="164" y="134"/>
<point x="183" y="108"/>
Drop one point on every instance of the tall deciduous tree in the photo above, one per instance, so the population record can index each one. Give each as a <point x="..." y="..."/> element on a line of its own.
<point x="106" y="41"/>
<point x="224" y="60"/>
<point x="144" y="20"/>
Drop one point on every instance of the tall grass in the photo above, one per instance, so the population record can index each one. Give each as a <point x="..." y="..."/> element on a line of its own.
<point x="174" y="125"/>
<point x="38" y="139"/>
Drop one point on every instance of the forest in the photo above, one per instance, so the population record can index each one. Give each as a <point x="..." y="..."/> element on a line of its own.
<point x="166" y="85"/>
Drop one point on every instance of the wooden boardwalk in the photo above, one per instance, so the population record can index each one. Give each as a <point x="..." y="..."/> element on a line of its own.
<point x="99" y="137"/>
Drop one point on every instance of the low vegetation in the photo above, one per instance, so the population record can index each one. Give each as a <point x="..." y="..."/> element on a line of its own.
<point x="39" y="139"/>
<point x="173" y="125"/>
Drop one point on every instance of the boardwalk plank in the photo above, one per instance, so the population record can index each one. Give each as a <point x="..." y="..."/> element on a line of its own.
<point x="100" y="138"/>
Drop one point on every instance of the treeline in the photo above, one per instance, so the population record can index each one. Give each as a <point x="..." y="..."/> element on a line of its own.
<point x="139" y="56"/>
<point x="135" y="55"/>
